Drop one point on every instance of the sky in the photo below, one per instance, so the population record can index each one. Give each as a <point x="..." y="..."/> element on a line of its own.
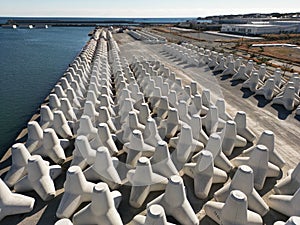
<point x="142" y="8"/>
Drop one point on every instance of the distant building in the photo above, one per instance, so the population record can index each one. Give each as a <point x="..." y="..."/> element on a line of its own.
<point x="260" y="28"/>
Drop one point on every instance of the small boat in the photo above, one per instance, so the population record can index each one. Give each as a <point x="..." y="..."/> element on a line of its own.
<point x="30" y="26"/>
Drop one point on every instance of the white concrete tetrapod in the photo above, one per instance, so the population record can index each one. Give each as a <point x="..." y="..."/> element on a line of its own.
<point x="143" y="181"/>
<point x="86" y="128"/>
<point x="60" y="125"/>
<point x="184" y="148"/>
<point x="103" y="169"/>
<point x="137" y="148"/>
<point x="267" y="138"/>
<point x="91" y="96"/>
<point x="211" y="122"/>
<point x="151" y="135"/>
<point x="89" y="110"/>
<point x="268" y="90"/>
<point x="183" y="112"/>
<point x="243" y="180"/>
<point x="198" y="132"/>
<point x="77" y="191"/>
<point x="38" y="179"/>
<point x="155" y="216"/>
<point x="196" y="106"/>
<point x="286" y="204"/>
<point x="220" y="103"/>
<point x="58" y="90"/>
<point x="233" y="211"/>
<point x="104" y="102"/>
<point x="13" y="203"/>
<point x="18" y="169"/>
<point x="259" y="162"/>
<point x="290" y="184"/>
<point x="106" y="138"/>
<point x="287" y="99"/>
<point x="51" y="147"/>
<point x="241" y="126"/>
<point x="67" y="109"/>
<point x="84" y="148"/>
<point x="64" y="221"/>
<point x="172" y="124"/>
<point x="241" y="74"/>
<point x="206" y="98"/>
<point x="144" y="113"/>
<point x="204" y="174"/>
<point x="230" y="70"/>
<point x="221" y="66"/>
<point x="101" y="210"/>
<point x="230" y="139"/>
<point x="46" y="117"/>
<point x="54" y="102"/>
<point x="175" y="202"/>
<point x="214" y="145"/>
<point x="253" y="83"/>
<point x="262" y="72"/>
<point x="104" y="117"/>
<point x="34" y="137"/>
<point x="194" y="88"/>
<point x="293" y="220"/>
<point x="161" y="109"/>
<point x="161" y="161"/>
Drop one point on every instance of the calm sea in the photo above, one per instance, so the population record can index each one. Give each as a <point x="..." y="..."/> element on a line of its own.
<point x="31" y="63"/>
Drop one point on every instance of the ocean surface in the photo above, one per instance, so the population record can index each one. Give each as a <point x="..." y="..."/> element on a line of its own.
<point x="31" y="63"/>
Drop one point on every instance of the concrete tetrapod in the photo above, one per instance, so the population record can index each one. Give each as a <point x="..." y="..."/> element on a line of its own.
<point x="293" y="220"/>
<point x="220" y="103"/>
<point x="214" y="145"/>
<point x="175" y="202"/>
<point x="87" y="129"/>
<point x="253" y="83"/>
<point x="83" y="147"/>
<point x="287" y="99"/>
<point x="77" y="191"/>
<point x="268" y="90"/>
<point x="35" y="136"/>
<point x="290" y="184"/>
<point x="46" y="117"/>
<point x="286" y="204"/>
<point x="204" y="174"/>
<point x="233" y="211"/>
<point x="267" y="138"/>
<point x="20" y="156"/>
<point x="104" y="117"/>
<point x="259" y="162"/>
<point x="184" y="148"/>
<point x="64" y="221"/>
<point x="243" y="180"/>
<point x="137" y="148"/>
<point x="171" y="124"/>
<point x="51" y="147"/>
<point x="211" y="121"/>
<point x="241" y="126"/>
<point x="106" y="138"/>
<point x="155" y="216"/>
<point x="54" y="102"/>
<point x="198" y="132"/>
<point x="38" y="179"/>
<point x="102" y="210"/>
<point x="241" y="74"/>
<point x="12" y="203"/>
<point x="230" y="139"/>
<point x="161" y="161"/>
<point x="151" y="135"/>
<point x="143" y="181"/>
<point x="230" y="70"/>
<point x="103" y="169"/>
<point x="60" y="125"/>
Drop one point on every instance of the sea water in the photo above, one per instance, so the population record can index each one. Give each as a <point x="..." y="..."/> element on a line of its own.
<point x="31" y="63"/>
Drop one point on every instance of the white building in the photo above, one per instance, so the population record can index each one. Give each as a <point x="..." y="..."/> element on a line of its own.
<point x="257" y="28"/>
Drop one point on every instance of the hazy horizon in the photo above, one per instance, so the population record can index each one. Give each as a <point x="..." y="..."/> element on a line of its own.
<point x="141" y="8"/>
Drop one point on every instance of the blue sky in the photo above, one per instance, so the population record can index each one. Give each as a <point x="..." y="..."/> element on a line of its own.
<point x="142" y="8"/>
